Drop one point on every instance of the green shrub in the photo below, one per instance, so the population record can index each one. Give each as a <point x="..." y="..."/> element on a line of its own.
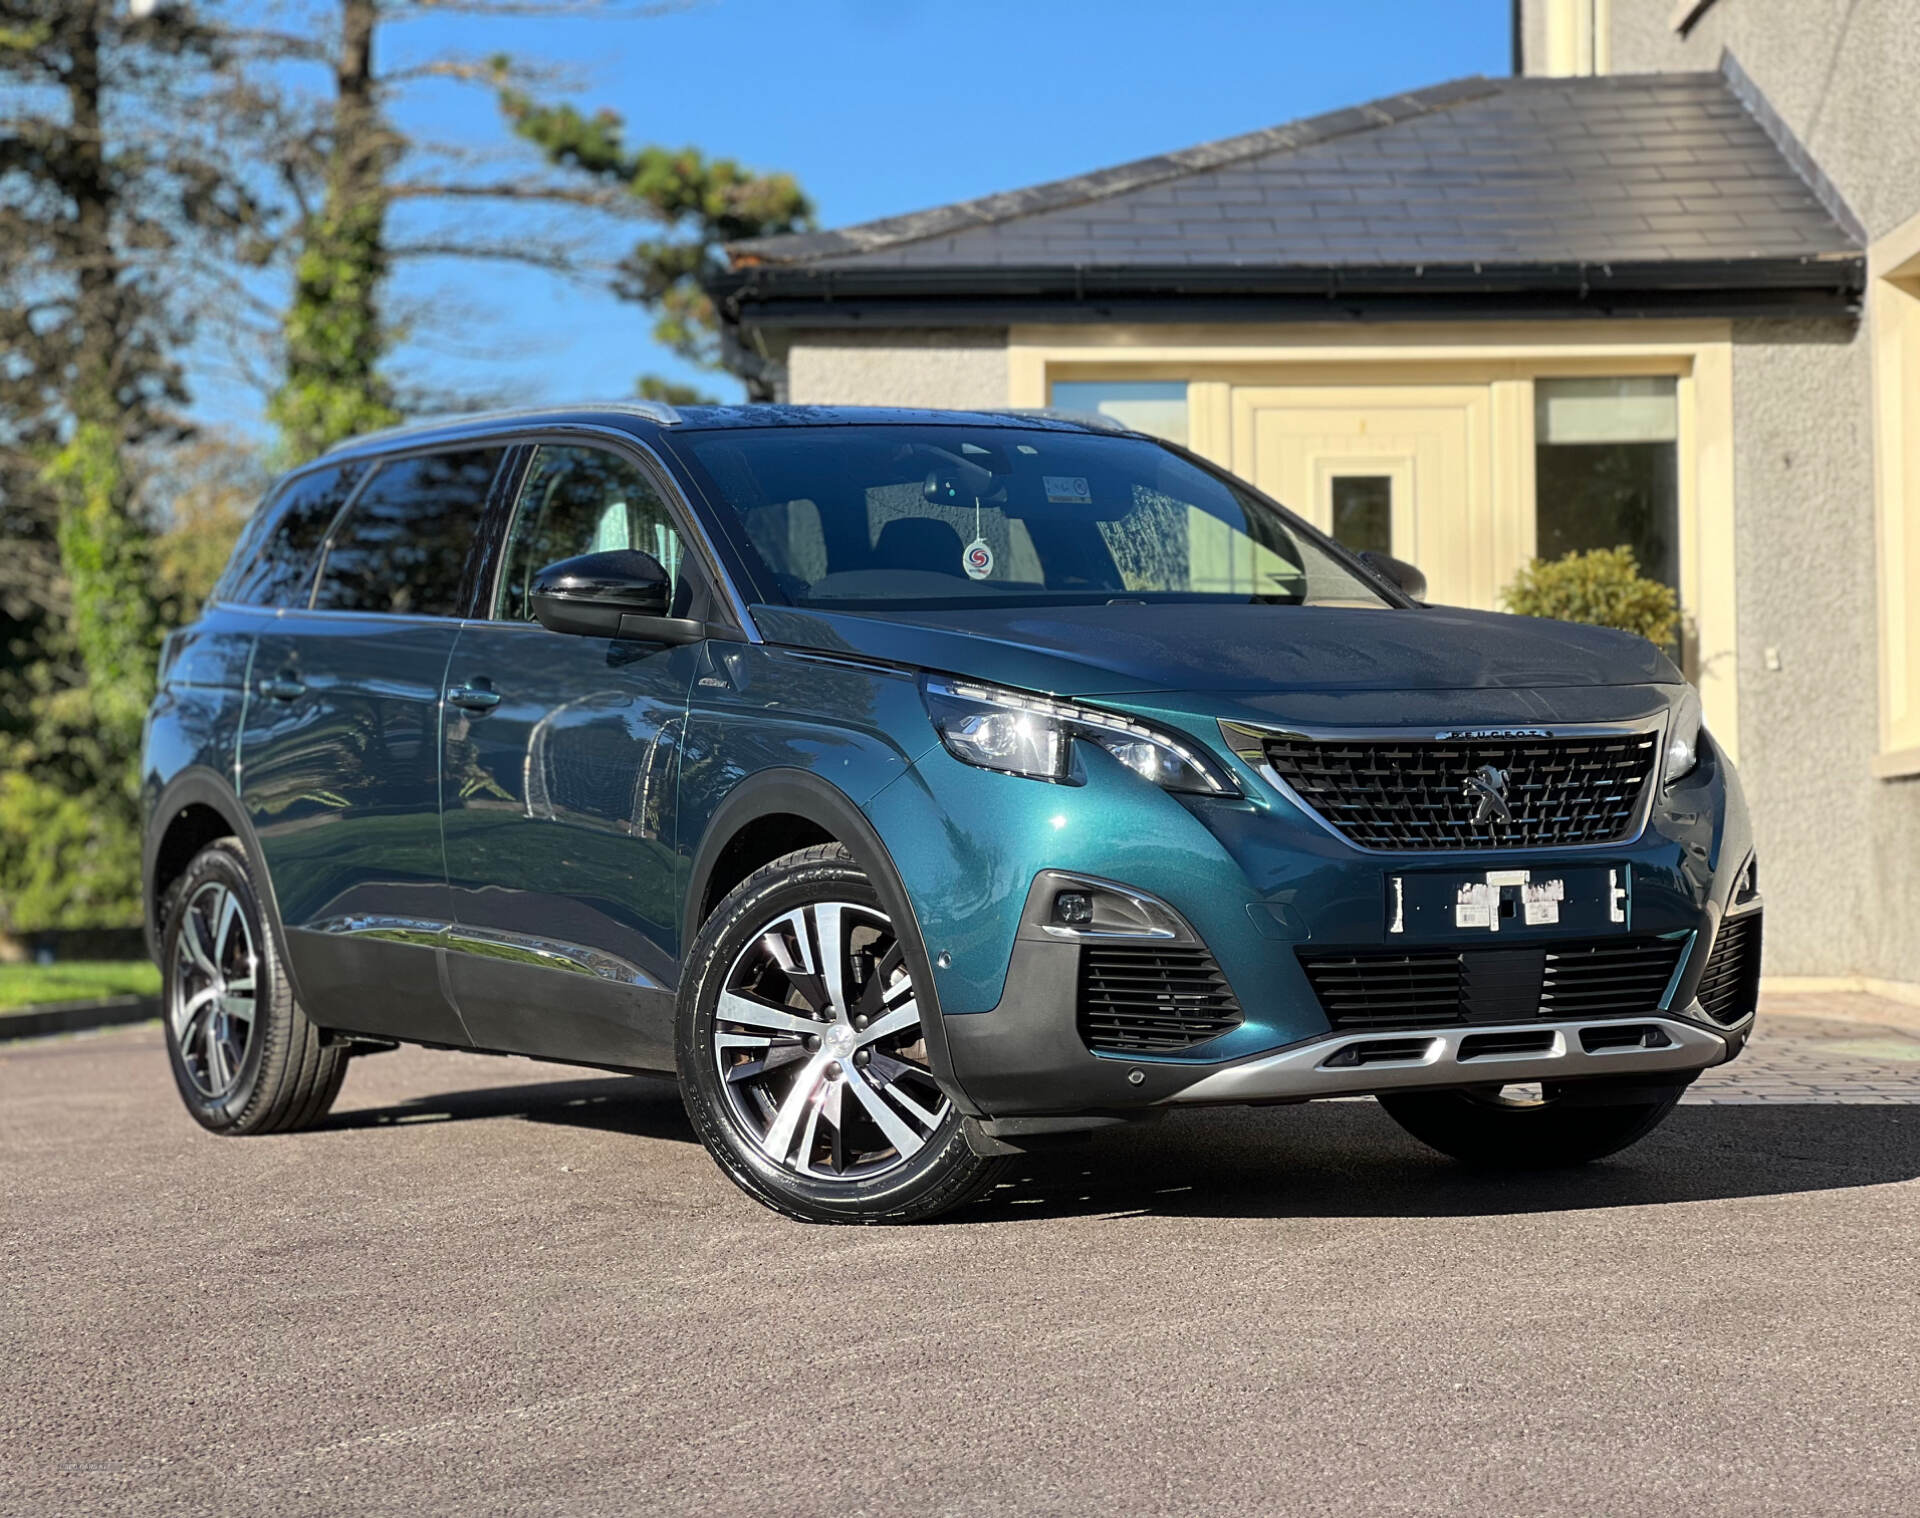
<point x="1603" y="588"/>
<point x="66" y="860"/>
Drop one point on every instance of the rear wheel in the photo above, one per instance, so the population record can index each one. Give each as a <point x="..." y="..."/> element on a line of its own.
<point x="1523" y="1127"/>
<point x="803" y="1058"/>
<point x="244" y="1055"/>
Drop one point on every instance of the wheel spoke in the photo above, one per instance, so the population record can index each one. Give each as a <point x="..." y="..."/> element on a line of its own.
<point x="240" y="1007"/>
<point x="190" y="932"/>
<point x="223" y="928"/>
<point x="771" y="1054"/>
<point x="220" y="1060"/>
<point x="902" y="1137"/>
<point x="793" y="1107"/>
<point x="887" y="1072"/>
<point x="735" y="1008"/>
<point x="902" y="1017"/>
<point x="830" y="923"/>
<point x="192" y="1008"/>
<point x="800" y="971"/>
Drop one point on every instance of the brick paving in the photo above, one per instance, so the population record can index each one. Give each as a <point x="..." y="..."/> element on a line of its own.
<point x="1835" y="1048"/>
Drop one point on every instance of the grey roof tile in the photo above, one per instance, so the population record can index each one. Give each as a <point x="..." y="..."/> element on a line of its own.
<point x="1627" y="168"/>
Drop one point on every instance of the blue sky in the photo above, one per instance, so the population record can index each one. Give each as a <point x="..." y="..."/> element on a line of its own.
<point x="878" y="107"/>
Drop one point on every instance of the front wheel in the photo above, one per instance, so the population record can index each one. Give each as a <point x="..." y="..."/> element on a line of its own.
<point x="1523" y="1127"/>
<point x="803" y="1058"/>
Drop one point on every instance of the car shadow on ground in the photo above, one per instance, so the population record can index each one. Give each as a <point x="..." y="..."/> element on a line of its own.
<point x="1324" y="1159"/>
<point x="644" y="1106"/>
<point x="1348" y="1159"/>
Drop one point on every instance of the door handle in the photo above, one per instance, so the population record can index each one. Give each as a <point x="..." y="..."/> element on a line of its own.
<point x="474" y="697"/>
<point x="284" y="686"/>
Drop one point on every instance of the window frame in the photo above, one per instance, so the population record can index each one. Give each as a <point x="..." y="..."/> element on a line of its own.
<point x="376" y="464"/>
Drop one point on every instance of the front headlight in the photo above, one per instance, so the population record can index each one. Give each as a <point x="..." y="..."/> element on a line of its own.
<point x="1019" y="734"/>
<point x="1683" y="738"/>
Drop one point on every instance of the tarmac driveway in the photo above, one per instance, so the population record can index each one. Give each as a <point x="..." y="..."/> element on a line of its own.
<point x="497" y="1287"/>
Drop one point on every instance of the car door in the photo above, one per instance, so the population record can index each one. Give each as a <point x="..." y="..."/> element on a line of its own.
<point x="340" y="752"/>
<point x="560" y="767"/>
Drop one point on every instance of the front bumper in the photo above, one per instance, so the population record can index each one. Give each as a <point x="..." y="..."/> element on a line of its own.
<point x="1263" y="889"/>
<point x="1346" y="1064"/>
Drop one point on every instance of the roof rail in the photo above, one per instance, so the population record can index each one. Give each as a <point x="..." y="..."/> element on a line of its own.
<point x="1099" y="421"/>
<point x="653" y="411"/>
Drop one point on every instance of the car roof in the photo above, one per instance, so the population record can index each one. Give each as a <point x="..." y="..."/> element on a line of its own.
<point x="651" y="418"/>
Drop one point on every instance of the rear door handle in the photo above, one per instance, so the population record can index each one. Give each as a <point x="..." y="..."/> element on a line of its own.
<point x="283" y="687"/>
<point x="474" y="697"/>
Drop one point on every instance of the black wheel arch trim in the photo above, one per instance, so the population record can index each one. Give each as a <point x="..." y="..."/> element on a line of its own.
<point x="800" y="793"/>
<point x="200" y="785"/>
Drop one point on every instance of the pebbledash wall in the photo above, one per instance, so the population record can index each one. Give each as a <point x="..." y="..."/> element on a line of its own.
<point x="1836" y="803"/>
<point x="1841" y="860"/>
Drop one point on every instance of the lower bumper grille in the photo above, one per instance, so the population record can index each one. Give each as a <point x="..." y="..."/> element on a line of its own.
<point x="1730" y="987"/>
<point x="1448" y="987"/>
<point x="1150" y="999"/>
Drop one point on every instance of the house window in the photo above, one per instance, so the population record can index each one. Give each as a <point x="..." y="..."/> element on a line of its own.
<point x="1363" y="511"/>
<point x="1606" y="470"/>
<point x="1158" y="407"/>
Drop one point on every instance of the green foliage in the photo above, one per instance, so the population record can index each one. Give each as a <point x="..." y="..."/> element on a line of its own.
<point x="334" y="336"/>
<point x="76" y="980"/>
<point x="701" y="204"/>
<point x="107" y="554"/>
<point x="653" y="388"/>
<point x="1603" y="587"/>
<point x="67" y="860"/>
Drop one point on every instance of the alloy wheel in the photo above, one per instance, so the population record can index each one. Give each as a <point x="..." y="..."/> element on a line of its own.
<point x="819" y="1045"/>
<point x="212" y="999"/>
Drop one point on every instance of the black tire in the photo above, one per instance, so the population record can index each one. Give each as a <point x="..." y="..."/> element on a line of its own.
<point x="779" y="907"/>
<point x="1480" y="1129"/>
<point x="282" y="1077"/>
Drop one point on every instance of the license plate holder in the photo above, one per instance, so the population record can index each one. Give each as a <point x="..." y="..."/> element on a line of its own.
<point x="1504" y="905"/>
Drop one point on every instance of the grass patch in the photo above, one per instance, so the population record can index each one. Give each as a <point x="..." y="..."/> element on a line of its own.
<point x="75" y="980"/>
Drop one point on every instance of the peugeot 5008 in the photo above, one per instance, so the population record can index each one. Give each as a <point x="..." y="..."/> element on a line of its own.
<point x="919" y="787"/>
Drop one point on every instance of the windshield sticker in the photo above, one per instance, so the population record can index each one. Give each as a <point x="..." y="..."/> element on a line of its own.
<point x="1067" y="489"/>
<point x="978" y="559"/>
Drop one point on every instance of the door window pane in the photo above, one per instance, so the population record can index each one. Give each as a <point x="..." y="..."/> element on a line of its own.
<point x="1363" y="511"/>
<point x="582" y="500"/>
<point x="403" y="547"/>
<point x="274" y="561"/>
<point x="1606" y="470"/>
<point x="1158" y="407"/>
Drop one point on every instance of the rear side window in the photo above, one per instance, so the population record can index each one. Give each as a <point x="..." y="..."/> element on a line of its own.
<point x="403" y="546"/>
<point x="274" y="560"/>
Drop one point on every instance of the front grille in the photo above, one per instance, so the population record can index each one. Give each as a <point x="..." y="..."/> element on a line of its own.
<point x="1448" y="987"/>
<point x="1149" y="999"/>
<point x="1730" y="986"/>
<point x="1417" y="795"/>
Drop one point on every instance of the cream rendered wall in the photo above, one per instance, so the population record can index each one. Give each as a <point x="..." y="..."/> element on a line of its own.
<point x="963" y="368"/>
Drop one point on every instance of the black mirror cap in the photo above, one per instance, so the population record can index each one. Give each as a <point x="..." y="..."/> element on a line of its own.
<point x="591" y="593"/>
<point x="1396" y="572"/>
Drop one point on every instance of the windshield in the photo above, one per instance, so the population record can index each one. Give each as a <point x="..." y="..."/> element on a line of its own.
<point x="949" y="516"/>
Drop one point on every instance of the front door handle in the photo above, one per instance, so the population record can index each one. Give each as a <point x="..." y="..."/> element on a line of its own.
<point x="474" y="697"/>
<point x="284" y="686"/>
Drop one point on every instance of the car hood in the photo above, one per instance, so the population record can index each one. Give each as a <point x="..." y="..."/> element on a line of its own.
<point x="1122" y="650"/>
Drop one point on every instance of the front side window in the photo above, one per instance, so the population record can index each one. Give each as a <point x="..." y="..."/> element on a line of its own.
<point x="575" y="501"/>
<point x="403" y="546"/>
<point x="274" y="560"/>
<point x="930" y="516"/>
<point x="1606" y="470"/>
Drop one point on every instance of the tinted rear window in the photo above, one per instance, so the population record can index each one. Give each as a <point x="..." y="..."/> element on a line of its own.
<point x="403" y="547"/>
<point x="274" y="560"/>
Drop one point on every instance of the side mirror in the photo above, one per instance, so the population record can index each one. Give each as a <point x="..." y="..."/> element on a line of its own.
<point x="619" y="594"/>
<point x="1396" y="572"/>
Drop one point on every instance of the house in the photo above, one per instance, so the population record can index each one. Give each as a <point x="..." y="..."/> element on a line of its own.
<point x="1661" y="287"/>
